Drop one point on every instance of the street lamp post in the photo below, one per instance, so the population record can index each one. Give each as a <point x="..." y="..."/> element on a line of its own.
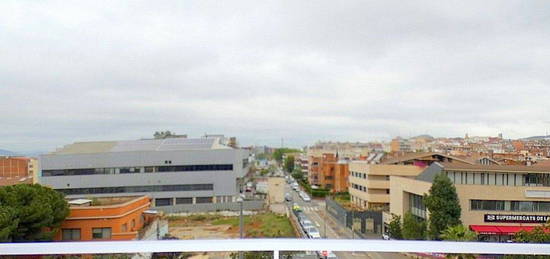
<point x="241" y="223"/>
<point x="325" y="219"/>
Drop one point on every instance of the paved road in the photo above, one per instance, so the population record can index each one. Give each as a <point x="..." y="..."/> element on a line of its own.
<point x="329" y="228"/>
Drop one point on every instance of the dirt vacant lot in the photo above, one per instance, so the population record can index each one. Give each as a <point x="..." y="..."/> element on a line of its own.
<point x="215" y="226"/>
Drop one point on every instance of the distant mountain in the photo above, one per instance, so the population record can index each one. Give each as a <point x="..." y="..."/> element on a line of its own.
<point x="537" y="138"/>
<point x="7" y="153"/>
<point x="34" y="153"/>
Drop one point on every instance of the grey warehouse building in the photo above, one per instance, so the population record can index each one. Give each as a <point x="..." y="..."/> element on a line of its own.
<point x="172" y="171"/>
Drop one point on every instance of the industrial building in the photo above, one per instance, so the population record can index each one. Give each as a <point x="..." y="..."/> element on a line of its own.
<point x="172" y="171"/>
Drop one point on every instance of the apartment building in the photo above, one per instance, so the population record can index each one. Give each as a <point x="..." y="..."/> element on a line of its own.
<point x="369" y="184"/>
<point x="314" y="169"/>
<point x="108" y="218"/>
<point x="173" y="171"/>
<point x="400" y="145"/>
<point x="301" y="162"/>
<point x="329" y="172"/>
<point x="496" y="200"/>
<point x="14" y="170"/>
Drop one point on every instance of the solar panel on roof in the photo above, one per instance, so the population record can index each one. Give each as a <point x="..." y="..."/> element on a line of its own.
<point x="162" y="144"/>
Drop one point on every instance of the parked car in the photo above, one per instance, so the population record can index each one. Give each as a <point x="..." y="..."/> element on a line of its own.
<point x="306" y="198"/>
<point x="306" y="223"/>
<point x="288" y="197"/>
<point x="295" y="207"/>
<point x="301" y="216"/>
<point x="329" y="255"/>
<point x="313" y="232"/>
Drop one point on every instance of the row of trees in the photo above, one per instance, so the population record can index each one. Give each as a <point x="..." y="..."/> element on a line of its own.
<point x="278" y="153"/>
<point x="30" y="212"/>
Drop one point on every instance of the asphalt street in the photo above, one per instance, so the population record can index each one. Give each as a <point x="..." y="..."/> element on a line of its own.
<point x="329" y="228"/>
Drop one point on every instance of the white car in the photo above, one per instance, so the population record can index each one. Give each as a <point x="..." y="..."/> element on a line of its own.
<point x="306" y="198"/>
<point x="313" y="232"/>
<point x="306" y="224"/>
<point x="306" y="221"/>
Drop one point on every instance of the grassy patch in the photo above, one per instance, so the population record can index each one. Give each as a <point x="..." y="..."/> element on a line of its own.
<point x="273" y="225"/>
<point x="260" y="225"/>
<point x="233" y="221"/>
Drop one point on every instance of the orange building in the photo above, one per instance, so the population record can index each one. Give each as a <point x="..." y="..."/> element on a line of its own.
<point x="328" y="172"/>
<point x="112" y="218"/>
<point x="314" y="169"/>
<point x="14" y="170"/>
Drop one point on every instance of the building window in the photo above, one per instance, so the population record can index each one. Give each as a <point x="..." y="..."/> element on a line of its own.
<point x="101" y="233"/>
<point x="124" y="227"/>
<point x="70" y="234"/>
<point x="184" y="200"/>
<point x="204" y="199"/>
<point x="486" y="205"/>
<point x="129" y="170"/>
<point x="130" y="189"/>
<point x="163" y="202"/>
<point x="133" y="224"/>
<point x="416" y="205"/>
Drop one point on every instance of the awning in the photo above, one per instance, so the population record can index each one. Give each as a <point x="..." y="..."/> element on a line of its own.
<point x="499" y="230"/>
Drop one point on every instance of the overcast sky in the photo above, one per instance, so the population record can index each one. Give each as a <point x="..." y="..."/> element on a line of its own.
<point x="265" y="70"/>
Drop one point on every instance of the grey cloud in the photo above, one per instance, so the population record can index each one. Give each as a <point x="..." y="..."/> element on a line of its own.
<point x="352" y="70"/>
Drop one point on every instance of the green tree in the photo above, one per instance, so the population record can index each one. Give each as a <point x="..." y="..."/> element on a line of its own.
<point x="458" y="233"/>
<point x="36" y="212"/>
<point x="414" y="228"/>
<point x="539" y="234"/>
<point x="462" y="234"/>
<point x="443" y="205"/>
<point x="8" y="223"/>
<point x="289" y="164"/>
<point x="278" y="153"/>
<point x="298" y="176"/>
<point x="394" y="228"/>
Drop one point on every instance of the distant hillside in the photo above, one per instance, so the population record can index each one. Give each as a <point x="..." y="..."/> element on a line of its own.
<point x="537" y="137"/>
<point x="7" y="153"/>
<point x="425" y="136"/>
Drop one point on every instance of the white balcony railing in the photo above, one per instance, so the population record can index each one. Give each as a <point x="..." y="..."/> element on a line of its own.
<point x="275" y="245"/>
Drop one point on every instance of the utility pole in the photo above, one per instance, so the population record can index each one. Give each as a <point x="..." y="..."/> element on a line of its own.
<point x="241" y="224"/>
<point x="325" y="218"/>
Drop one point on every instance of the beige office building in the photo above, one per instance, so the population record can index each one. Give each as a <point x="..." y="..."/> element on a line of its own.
<point x="369" y="184"/>
<point x="497" y="201"/>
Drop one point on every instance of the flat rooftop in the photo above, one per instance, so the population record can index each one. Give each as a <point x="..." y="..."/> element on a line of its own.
<point x="499" y="168"/>
<point x="168" y="144"/>
<point x="103" y="201"/>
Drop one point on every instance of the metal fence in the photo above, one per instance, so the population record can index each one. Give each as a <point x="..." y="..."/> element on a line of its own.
<point x="361" y="222"/>
<point x="210" y="207"/>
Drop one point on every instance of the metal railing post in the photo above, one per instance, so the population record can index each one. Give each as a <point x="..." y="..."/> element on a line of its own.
<point x="275" y="254"/>
<point x="241" y="226"/>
